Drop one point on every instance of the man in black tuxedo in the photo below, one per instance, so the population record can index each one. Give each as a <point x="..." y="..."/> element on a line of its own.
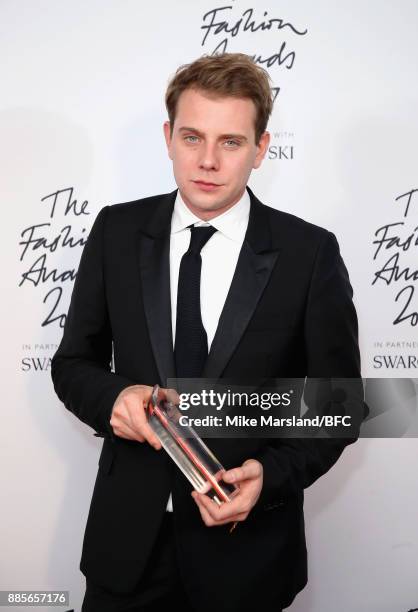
<point x="273" y="300"/>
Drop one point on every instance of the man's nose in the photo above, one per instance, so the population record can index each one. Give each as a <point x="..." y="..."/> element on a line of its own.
<point x="209" y="159"/>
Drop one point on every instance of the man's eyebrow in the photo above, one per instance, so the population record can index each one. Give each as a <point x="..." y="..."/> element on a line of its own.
<point x="222" y="136"/>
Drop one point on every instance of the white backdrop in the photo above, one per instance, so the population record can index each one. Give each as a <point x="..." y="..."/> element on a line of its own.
<point x="81" y="113"/>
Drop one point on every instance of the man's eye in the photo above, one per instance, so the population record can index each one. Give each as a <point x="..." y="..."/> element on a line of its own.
<point x="232" y="143"/>
<point x="192" y="139"/>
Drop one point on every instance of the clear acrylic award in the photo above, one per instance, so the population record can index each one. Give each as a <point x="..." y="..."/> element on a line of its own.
<point x="187" y="449"/>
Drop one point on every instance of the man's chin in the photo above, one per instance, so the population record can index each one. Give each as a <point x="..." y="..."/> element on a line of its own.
<point x="202" y="207"/>
<point x="205" y="201"/>
<point x="209" y="203"/>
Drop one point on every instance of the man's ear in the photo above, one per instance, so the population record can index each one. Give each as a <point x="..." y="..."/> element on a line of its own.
<point x="167" y="136"/>
<point x="261" y="149"/>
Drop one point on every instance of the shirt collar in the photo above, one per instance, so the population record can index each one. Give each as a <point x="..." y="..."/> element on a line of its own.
<point x="232" y="223"/>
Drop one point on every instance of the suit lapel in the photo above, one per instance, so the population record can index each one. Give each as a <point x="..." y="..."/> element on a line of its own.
<point x="254" y="267"/>
<point x="154" y="265"/>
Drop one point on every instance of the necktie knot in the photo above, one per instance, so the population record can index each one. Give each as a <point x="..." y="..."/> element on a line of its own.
<point x="199" y="237"/>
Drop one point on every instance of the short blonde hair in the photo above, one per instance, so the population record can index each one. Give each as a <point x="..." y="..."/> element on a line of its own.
<point x="225" y="74"/>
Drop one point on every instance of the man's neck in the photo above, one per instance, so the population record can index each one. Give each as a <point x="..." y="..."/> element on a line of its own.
<point x="208" y="215"/>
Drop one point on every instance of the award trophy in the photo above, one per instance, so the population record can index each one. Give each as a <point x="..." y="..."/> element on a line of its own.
<point x="187" y="449"/>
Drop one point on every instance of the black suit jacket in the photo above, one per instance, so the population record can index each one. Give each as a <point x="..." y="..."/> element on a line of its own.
<point x="289" y="312"/>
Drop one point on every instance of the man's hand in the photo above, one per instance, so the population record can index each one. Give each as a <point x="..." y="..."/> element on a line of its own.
<point x="128" y="418"/>
<point x="249" y="477"/>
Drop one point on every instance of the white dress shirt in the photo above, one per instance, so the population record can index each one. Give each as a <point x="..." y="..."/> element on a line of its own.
<point x="219" y="260"/>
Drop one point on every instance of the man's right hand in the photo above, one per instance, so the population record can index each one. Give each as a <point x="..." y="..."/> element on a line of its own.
<point x="128" y="418"/>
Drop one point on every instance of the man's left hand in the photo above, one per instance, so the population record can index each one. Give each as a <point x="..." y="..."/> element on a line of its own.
<point x="249" y="478"/>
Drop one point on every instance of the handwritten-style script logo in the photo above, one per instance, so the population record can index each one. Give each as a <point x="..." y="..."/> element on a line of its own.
<point x="42" y="243"/>
<point x="220" y="27"/>
<point x="397" y="245"/>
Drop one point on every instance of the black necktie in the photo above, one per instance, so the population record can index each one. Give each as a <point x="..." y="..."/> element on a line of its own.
<point x="191" y="345"/>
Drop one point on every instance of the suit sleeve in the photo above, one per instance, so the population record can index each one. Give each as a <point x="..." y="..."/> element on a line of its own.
<point x="81" y="366"/>
<point x="331" y="344"/>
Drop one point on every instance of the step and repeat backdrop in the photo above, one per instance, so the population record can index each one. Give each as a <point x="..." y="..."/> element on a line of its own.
<point x="81" y="116"/>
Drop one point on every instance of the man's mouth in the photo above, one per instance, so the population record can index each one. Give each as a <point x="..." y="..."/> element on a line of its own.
<point x="206" y="183"/>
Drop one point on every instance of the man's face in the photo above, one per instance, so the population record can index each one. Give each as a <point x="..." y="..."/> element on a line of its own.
<point x="213" y="150"/>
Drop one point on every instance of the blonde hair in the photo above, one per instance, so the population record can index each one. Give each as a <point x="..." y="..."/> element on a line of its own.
<point x="225" y="74"/>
